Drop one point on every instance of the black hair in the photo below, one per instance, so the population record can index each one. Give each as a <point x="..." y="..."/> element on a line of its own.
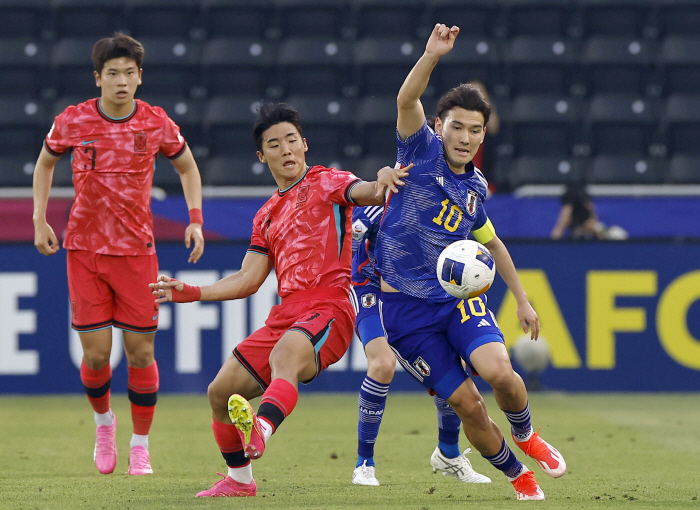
<point x="270" y="114"/>
<point x="465" y="96"/>
<point x="117" y="46"/>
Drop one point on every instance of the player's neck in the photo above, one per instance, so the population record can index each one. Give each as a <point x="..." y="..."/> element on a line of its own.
<point x="457" y="170"/>
<point x="116" y="111"/>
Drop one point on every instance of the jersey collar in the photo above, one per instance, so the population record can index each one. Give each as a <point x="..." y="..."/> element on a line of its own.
<point x="283" y="191"/>
<point x="98" y="105"/>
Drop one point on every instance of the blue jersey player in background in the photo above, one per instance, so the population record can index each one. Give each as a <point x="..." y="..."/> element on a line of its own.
<point x="431" y="331"/>
<point x="381" y="364"/>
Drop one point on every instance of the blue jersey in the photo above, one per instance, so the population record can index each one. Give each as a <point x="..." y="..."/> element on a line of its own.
<point x="365" y="225"/>
<point x="435" y="208"/>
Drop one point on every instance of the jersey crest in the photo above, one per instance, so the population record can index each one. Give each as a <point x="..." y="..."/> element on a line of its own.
<point x="139" y="142"/>
<point x="472" y="199"/>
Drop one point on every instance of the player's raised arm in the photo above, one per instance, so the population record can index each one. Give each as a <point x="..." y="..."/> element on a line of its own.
<point x="45" y="239"/>
<point x="411" y="115"/>
<point x="192" y="188"/>
<point x="372" y="193"/>
<point x="247" y="281"/>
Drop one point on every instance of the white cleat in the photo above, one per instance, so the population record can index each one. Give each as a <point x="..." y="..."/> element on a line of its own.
<point x="459" y="467"/>
<point x="364" y="475"/>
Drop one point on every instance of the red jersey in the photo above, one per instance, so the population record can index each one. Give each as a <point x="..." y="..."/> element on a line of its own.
<point x="113" y="162"/>
<point x="306" y="229"/>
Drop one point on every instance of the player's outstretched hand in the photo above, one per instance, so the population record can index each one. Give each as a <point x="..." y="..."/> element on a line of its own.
<point x="529" y="320"/>
<point x="441" y="40"/>
<point x="163" y="288"/>
<point x="389" y="178"/>
<point x="45" y="239"/>
<point x="193" y="232"/>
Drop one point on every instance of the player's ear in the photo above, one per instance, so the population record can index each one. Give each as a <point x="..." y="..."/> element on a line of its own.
<point x="306" y="146"/>
<point x="140" y="76"/>
<point x="438" y="126"/>
<point x="97" y="78"/>
<point x="261" y="157"/>
<point x="483" y="135"/>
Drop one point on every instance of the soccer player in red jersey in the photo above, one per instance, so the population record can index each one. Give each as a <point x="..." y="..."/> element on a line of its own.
<point x="303" y="231"/>
<point x="114" y="141"/>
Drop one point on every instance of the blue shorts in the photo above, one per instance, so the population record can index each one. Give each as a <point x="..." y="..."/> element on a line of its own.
<point x="368" y="325"/>
<point x="431" y="339"/>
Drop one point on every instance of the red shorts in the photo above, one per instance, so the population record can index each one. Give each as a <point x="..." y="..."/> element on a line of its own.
<point x="324" y="315"/>
<point x="109" y="290"/>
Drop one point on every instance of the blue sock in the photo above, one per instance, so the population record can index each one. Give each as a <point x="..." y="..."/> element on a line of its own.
<point x="371" y="404"/>
<point x="448" y="428"/>
<point x="506" y="461"/>
<point x="520" y="423"/>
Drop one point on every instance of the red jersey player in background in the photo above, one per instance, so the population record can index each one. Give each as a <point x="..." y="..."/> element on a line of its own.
<point x="114" y="140"/>
<point x="303" y="231"/>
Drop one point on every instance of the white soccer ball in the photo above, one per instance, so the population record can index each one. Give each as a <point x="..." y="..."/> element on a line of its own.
<point x="532" y="355"/>
<point x="466" y="269"/>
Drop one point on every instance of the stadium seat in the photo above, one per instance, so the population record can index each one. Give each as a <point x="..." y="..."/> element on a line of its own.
<point x="680" y="60"/>
<point x="239" y="171"/>
<point x="166" y="176"/>
<point x="539" y="65"/>
<point x="617" y="65"/>
<point x="544" y="125"/>
<point x="23" y="125"/>
<point x="24" y="18"/>
<point x="618" y="18"/>
<point x="624" y="170"/>
<point x="242" y="18"/>
<point x="63" y="102"/>
<point x="681" y="121"/>
<point x="368" y="167"/>
<point x="72" y="70"/>
<point x="474" y="19"/>
<point x="228" y="124"/>
<point x="327" y="122"/>
<point x="171" y="66"/>
<point x="17" y="171"/>
<point x="314" y="65"/>
<point x="684" y="170"/>
<point x="545" y="170"/>
<point x="63" y="172"/>
<point x="474" y="58"/>
<point x="380" y="18"/>
<point x="621" y="124"/>
<point x="381" y="64"/>
<point x="678" y="18"/>
<point x="186" y="112"/>
<point x="88" y="18"/>
<point x="540" y="18"/>
<point x="23" y="68"/>
<point x="237" y="66"/>
<point x="376" y="125"/>
<point x="315" y="18"/>
<point x="165" y="18"/>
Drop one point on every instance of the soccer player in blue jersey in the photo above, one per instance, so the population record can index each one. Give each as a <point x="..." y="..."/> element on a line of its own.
<point x="431" y="331"/>
<point x="381" y="364"/>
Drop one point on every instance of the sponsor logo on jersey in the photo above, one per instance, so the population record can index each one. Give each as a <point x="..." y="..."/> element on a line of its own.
<point x="422" y="366"/>
<point x="471" y="202"/>
<point x="302" y="195"/>
<point x="369" y="300"/>
<point x="358" y="230"/>
<point x="139" y="142"/>
<point x="483" y="323"/>
<point x="441" y="181"/>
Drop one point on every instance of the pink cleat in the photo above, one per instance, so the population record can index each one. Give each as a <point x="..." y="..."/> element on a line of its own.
<point x="227" y="487"/>
<point x="106" y="448"/>
<point x="139" y="462"/>
<point x="248" y="425"/>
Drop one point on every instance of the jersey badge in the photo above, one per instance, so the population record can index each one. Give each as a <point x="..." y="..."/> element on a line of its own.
<point x="359" y="229"/>
<point x="302" y="195"/>
<point x="369" y="300"/>
<point x="139" y="142"/>
<point x="471" y="202"/>
<point x="422" y="366"/>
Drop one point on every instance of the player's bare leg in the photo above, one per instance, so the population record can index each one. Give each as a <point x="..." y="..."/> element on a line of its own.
<point x="238" y="482"/>
<point x="486" y="437"/>
<point x="493" y="364"/>
<point x="96" y="375"/>
<point x="143" y="394"/>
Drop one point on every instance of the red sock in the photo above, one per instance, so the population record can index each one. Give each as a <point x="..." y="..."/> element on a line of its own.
<point x="143" y="394"/>
<point x="229" y="442"/>
<point x="97" y="384"/>
<point x="278" y="402"/>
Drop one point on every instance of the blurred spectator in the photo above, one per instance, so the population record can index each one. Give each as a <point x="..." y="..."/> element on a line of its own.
<point x="485" y="159"/>
<point x="578" y="215"/>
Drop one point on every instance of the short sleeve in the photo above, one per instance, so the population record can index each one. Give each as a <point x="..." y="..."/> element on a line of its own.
<point x="339" y="185"/>
<point x="258" y="239"/>
<point x="173" y="144"/>
<point x="57" y="141"/>
<point x="420" y="146"/>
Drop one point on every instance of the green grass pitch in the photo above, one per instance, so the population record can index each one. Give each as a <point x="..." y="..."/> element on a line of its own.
<point x="623" y="451"/>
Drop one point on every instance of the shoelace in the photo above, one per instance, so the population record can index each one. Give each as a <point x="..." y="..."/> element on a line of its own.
<point x="105" y="444"/>
<point x="140" y="461"/>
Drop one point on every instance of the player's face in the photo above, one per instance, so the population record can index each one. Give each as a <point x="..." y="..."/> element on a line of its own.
<point x="462" y="133"/>
<point x="119" y="80"/>
<point x="284" y="151"/>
